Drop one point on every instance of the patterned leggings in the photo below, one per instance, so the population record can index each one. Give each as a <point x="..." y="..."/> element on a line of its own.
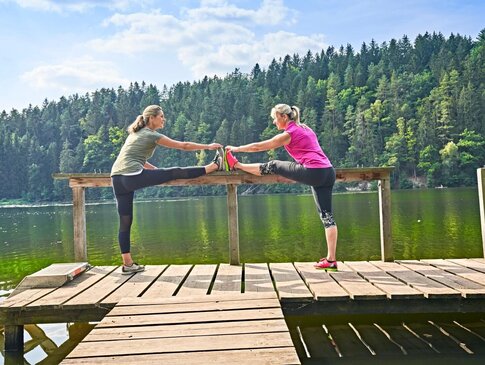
<point x="321" y="181"/>
<point x="124" y="189"/>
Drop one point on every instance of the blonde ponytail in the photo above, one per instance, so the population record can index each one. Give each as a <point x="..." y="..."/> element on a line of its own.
<point x="141" y="121"/>
<point x="293" y="112"/>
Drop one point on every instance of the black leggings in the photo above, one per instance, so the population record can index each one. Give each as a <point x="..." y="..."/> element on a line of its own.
<point x="321" y="181"/>
<point x="124" y="189"/>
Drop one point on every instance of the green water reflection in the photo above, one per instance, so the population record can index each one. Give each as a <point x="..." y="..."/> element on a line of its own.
<point x="437" y="223"/>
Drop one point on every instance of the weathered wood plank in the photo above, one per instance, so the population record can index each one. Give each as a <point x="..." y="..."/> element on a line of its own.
<point x="198" y="281"/>
<point x="288" y="282"/>
<point x="266" y="356"/>
<point x="168" y="282"/>
<point x="100" y="290"/>
<point x="430" y="288"/>
<point x="228" y="279"/>
<point x="74" y="287"/>
<point x="390" y="285"/>
<point x="174" y="344"/>
<point x="23" y="298"/>
<point x="356" y="286"/>
<point x="470" y="263"/>
<point x="192" y="317"/>
<point x="186" y="330"/>
<point x="458" y="270"/>
<point x="257" y="279"/>
<point x="123" y="310"/>
<point x="136" y="284"/>
<point x="236" y="297"/>
<point x="320" y="283"/>
<point x="469" y="289"/>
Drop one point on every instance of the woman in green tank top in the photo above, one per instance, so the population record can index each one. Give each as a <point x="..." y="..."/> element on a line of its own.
<point x="132" y="171"/>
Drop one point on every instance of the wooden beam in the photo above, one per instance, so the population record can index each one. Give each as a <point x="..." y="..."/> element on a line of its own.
<point x="79" y="220"/>
<point x="481" y="200"/>
<point x="385" y="218"/>
<point x="233" y="224"/>
<point x="14" y="338"/>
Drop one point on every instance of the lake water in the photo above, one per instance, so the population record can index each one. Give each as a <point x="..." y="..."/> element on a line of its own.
<point x="435" y="223"/>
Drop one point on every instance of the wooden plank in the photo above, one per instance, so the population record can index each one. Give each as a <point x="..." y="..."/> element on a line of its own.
<point x="199" y="281"/>
<point x="168" y="282"/>
<point x="469" y="289"/>
<point x="474" y="264"/>
<point x="390" y="285"/>
<point x="186" y="330"/>
<point x="356" y="286"/>
<point x="136" y="284"/>
<point x="123" y="310"/>
<point x="177" y="344"/>
<point x="321" y="284"/>
<point x="192" y="317"/>
<point x="198" y="298"/>
<point x="100" y="290"/>
<point x="257" y="279"/>
<point x="430" y="288"/>
<point x="228" y="279"/>
<point x="73" y="288"/>
<point x="23" y="298"/>
<point x="266" y="356"/>
<point x="458" y="270"/>
<point x="289" y="284"/>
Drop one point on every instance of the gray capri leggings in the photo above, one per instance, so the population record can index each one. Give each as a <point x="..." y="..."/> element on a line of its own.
<point x="124" y="189"/>
<point x="321" y="181"/>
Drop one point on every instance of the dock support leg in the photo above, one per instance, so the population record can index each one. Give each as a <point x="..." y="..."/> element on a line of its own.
<point x="481" y="201"/>
<point x="14" y="338"/>
<point x="233" y="224"/>
<point x="385" y="219"/>
<point x="79" y="220"/>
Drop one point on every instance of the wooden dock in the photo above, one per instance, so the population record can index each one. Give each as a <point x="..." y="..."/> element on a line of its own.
<point x="375" y="287"/>
<point x="215" y="329"/>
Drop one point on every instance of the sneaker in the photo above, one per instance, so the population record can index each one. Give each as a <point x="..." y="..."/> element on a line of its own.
<point x="230" y="160"/>
<point x="326" y="265"/>
<point x="127" y="270"/>
<point x="219" y="159"/>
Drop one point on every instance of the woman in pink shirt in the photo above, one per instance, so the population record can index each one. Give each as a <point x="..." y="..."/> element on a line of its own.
<point x="312" y="168"/>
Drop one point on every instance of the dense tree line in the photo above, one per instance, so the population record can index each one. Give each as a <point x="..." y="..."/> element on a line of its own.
<point x="417" y="106"/>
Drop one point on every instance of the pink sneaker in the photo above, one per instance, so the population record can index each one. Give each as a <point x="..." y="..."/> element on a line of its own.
<point x="230" y="161"/>
<point x="326" y="265"/>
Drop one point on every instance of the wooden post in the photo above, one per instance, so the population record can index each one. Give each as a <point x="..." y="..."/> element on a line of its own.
<point x="385" y="218"/>
<point x="233" y="224"/>
<point x="481" y="201"/>
<point x="14" y="338"/>
<point x="79" y="219"/>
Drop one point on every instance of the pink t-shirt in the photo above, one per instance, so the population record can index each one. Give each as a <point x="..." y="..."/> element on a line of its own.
<point x="304" y="147"/>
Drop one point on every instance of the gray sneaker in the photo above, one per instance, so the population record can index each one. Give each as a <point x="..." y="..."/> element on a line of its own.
<point x="127" y="270"/>
<point x="219" y="159"/>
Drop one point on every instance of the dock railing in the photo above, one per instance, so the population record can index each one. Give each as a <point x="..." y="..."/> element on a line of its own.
<point x="481" y="202"/>
<point x="80" y="181"/>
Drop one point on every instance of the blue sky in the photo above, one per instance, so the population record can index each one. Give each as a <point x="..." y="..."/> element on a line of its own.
<point x="54" y="48"/>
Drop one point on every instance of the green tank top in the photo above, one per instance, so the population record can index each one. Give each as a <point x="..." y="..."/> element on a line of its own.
<point x="138" y="148"/>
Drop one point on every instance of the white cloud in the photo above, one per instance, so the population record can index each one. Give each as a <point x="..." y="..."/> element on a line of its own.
<point x="80" y="75"/>
<point x="271" y="12"/>
<point x="207" y="39"/>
